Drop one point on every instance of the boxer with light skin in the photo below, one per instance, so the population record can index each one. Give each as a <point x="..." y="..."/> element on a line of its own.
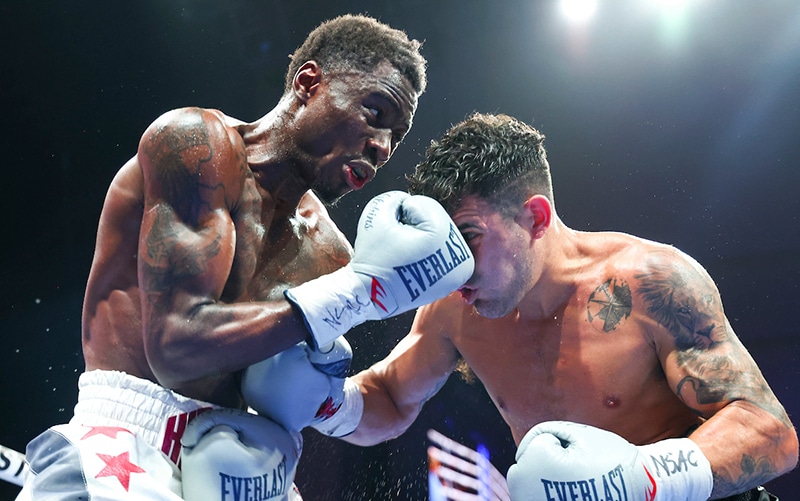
<point x="201" y="235"/>
<point x="609" y="356"/>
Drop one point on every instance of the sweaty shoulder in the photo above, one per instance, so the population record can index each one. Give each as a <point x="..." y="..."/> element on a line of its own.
<point x="672" y="290"/>
<point x="627" y="255"/>
<point x="645" y="261"/>
<point x="193" y="149"/>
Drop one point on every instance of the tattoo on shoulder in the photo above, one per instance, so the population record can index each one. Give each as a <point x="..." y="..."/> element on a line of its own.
<point x="179" y="152"/>
<point x="609" y="304"/>
<point x="684" y="301"/>
<point x="182" y="144"/>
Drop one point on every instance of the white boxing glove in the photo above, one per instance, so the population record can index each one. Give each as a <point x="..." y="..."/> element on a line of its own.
<point x="13" y="467"/>
<point x="230" y="454"/>
<point x="563" y="460"/>
<point x="302" y="387"/>
<point x="408" y="253"/>
<point x="342" y="411"/>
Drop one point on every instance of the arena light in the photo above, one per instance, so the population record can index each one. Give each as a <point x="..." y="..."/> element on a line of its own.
<point x="670" y="4"/>
<point x="674" y="16"/>
<point x="578" y="11"/>
<point x="456" y="472"/>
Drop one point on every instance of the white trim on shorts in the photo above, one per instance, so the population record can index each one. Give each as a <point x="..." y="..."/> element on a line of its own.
<point x="155" y="414"/>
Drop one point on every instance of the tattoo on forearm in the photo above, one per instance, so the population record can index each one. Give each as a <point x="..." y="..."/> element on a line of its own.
<point x="753" y="472"/>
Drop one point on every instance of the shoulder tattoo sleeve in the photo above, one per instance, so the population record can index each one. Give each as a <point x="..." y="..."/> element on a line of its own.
<point x="682" y="298"/>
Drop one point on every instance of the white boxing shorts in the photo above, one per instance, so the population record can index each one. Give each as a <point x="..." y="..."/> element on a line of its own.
<point x="122" y="443"/>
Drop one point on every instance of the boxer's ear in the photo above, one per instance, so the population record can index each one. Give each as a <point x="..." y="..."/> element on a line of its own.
<point x="537" y="214"/>
<point x="306" y="80"/>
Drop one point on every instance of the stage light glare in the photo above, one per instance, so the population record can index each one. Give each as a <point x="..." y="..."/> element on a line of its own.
<point x="578" y="10"/>
<point x="670" y="4"/>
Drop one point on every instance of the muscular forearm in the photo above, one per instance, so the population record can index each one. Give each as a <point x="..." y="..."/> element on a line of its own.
<point x="396" y="388"/>
<point x="221" y="338"/>
<point x="382" y="419"/>
<point x="746" y="446"/>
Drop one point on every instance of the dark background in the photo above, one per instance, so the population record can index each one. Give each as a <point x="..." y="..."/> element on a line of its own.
<point x="678" y="126"/>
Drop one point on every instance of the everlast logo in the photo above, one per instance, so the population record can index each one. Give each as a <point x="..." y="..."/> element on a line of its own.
<point x="609" y="487"/>
<point x="429" y="270"/>
<point x="369" y="217"/>
<point x="267" y="486"/>
<point x="417" y="277"/>
<point x="377" y="291"/>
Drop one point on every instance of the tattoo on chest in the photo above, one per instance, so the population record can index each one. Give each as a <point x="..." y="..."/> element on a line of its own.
<point x="609" y="304"/>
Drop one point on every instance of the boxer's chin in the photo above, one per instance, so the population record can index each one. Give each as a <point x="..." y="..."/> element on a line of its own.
<point x="328" y="196"/>
<point x="491" y="309"/>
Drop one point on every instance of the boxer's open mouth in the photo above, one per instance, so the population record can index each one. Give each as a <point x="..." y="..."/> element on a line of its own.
<point x="467" y="294"/>
<point x="360" y="174"/>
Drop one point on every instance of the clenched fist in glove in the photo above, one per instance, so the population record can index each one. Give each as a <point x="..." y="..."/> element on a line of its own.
<point x="230" y="454"/>
<point x="407" y="253"/>
<point x="302" y="387"/>
<point x="563" y="460"/>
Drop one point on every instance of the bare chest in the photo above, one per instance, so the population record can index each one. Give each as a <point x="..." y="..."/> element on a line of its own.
<point x="566" y="369"/>
<point x="275" y="251"/>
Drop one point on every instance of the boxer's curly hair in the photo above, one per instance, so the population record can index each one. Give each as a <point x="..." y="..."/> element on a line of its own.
<point x="357" y="42"/>
<point x="496" y="157"/>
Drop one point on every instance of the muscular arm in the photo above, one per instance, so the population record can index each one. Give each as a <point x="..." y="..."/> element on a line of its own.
<point x="396" y="388"/>
<point x="747" y="436"/>
<point x="195" y="175"/>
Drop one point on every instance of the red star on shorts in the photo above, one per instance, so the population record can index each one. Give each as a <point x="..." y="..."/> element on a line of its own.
<point x="120" y="467"/>
<point x="109" y="431"/>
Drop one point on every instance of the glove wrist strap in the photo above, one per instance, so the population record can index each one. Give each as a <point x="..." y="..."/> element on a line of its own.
<point x="679" y="468"/>
<point x="346" y="419"/>
<point x="332" y="304"/>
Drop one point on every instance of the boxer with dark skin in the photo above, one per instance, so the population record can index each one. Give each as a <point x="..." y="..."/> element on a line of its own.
<point x="600" y="328"/>
<point x="200" y="235"/>
<point x="213" y="218"/>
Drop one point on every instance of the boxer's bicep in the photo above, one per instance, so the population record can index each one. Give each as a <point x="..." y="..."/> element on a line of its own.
<point x="192" y="176"/>
<point x="706" y="364"/>
<point x="187" y="236"/>
<point x="747" y="436"/>
<point x="421" y="363"/>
